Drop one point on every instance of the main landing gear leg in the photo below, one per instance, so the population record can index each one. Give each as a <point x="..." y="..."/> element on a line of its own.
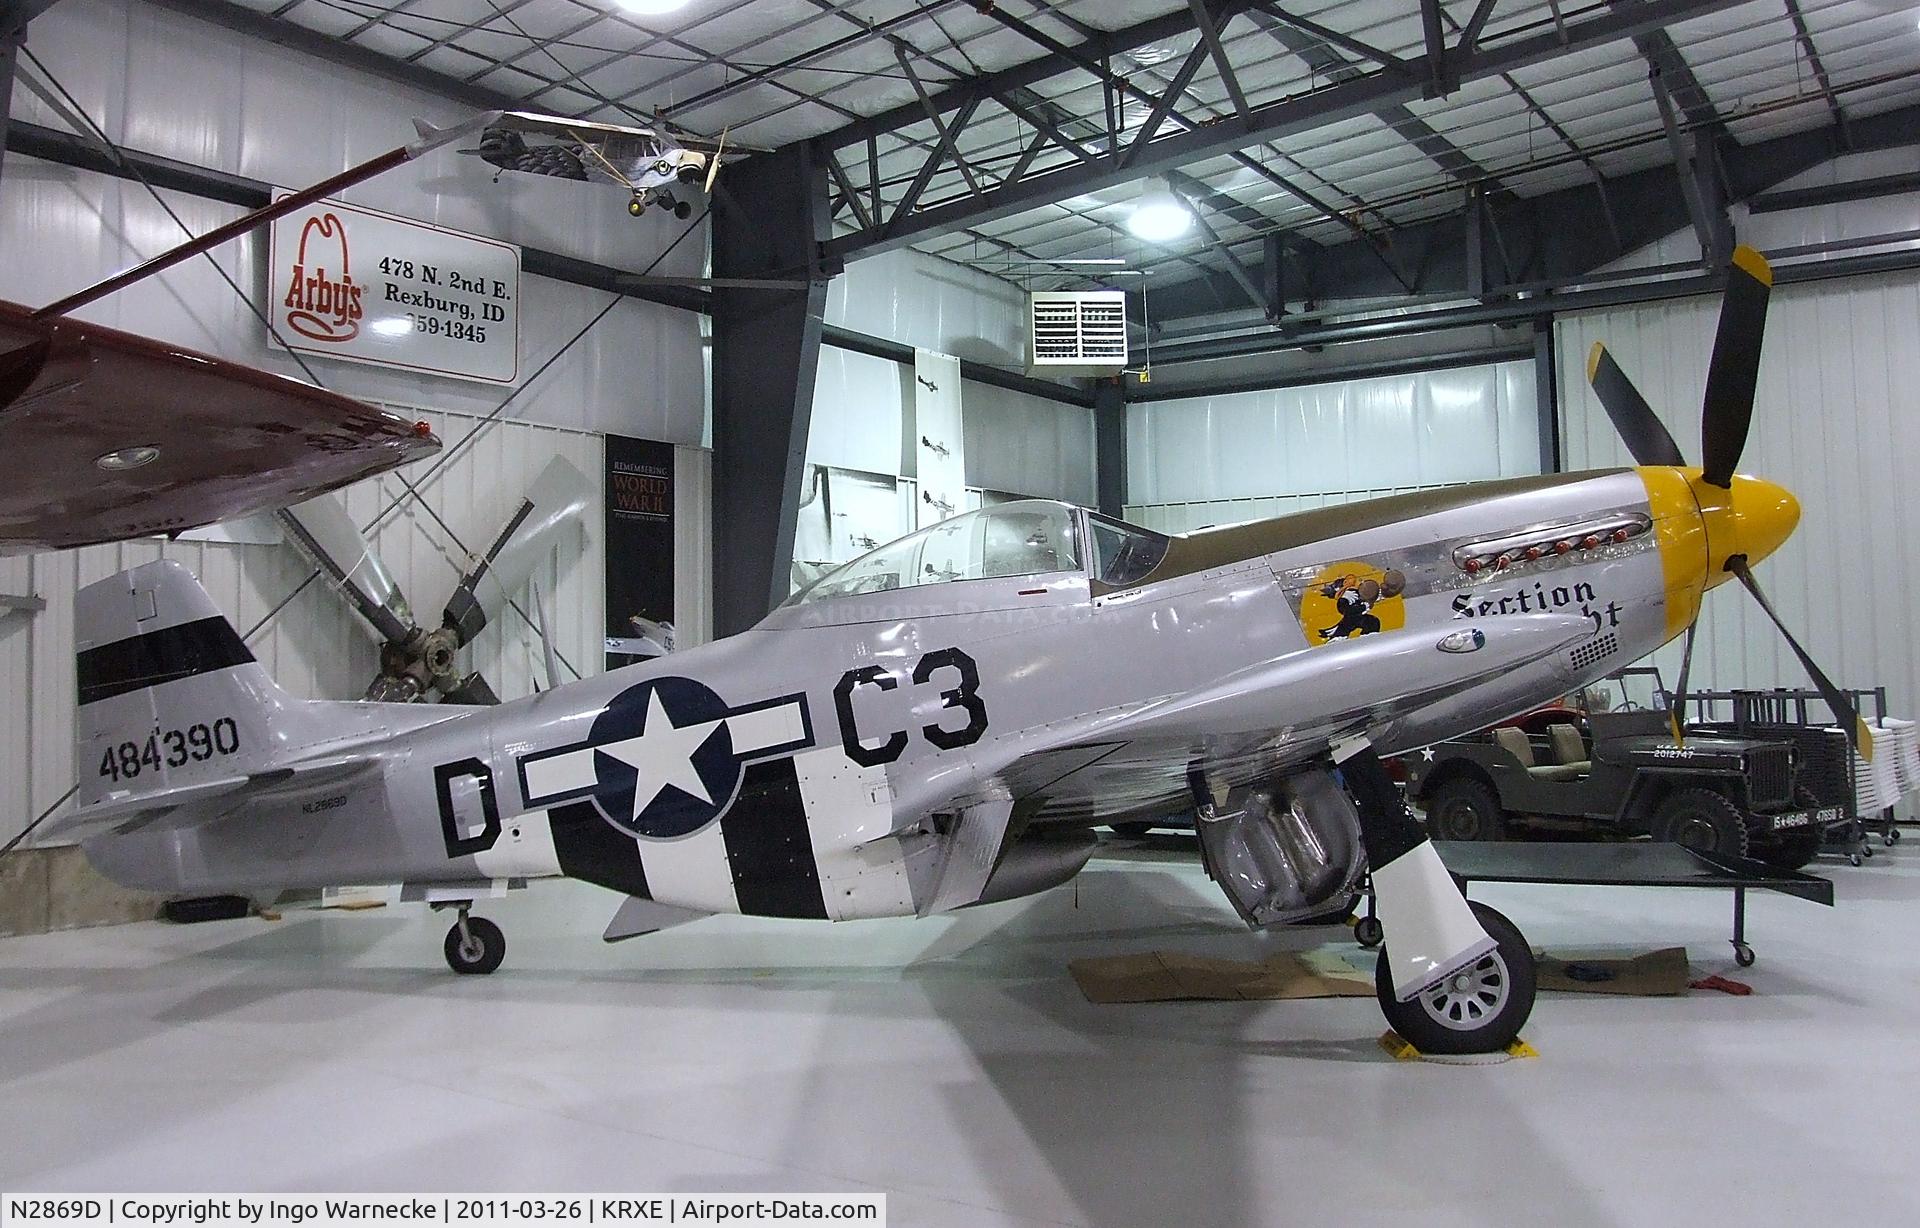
<point x="1453" y="977"/>
<point x="475" y="946"/>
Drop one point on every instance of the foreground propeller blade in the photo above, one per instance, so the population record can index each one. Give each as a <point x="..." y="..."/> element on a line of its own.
<point x="555" y="501"/>
<point x="1640" y="428"/>
<point x="1727" y="410"/>
<point x="713" y="160"/>
<point x="1677" y="703"/>
<point x="326" y="534"/>
<point x="1843" y="710"/>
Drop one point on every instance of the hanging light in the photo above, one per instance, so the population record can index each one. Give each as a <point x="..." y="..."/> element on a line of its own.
<point x="651" y="8"/>
<point x="1159" y="216"/>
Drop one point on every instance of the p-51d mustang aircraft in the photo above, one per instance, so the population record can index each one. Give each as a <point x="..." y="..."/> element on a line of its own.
<point x="942" y="722"/>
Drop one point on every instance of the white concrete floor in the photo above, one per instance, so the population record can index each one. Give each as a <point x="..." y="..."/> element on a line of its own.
<point x="952" y="1064"/>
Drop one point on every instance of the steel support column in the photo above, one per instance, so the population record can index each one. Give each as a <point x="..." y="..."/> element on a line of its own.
<point x="766" y="351"/>
<point x="14" y="16"/>
<point x="1110" y="446"/>
<point x="1546" y="395"/>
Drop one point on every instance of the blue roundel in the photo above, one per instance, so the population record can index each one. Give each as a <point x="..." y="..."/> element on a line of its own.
<point x="663" y="759"/>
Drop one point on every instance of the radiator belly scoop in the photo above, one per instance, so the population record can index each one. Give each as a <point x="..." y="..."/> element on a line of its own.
<point x="1284" y="850"/>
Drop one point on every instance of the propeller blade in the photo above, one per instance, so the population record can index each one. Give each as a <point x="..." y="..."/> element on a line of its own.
<point x="473" y="689"/>
<point x="1640" y="428"/>
<point x="1727" y="409"/>
<point x="555" y="501"/>
<point x="713" y="160"/>
<point x="1843" y="710"/>
<point x="1677" y="703"/>
<point x="546" y="639"/>
<point x="326" y="534"/>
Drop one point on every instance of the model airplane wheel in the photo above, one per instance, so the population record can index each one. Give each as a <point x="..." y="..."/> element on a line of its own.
<point x="635" y="208"/>
<point x="1368" y="932"/>
<point x="479" y="950"/>
<point x="1743" y="955"/>
<point x="1478" y="1009"/>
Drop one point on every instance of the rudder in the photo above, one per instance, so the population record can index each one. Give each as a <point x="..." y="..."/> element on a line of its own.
<point x="170" y="697"/>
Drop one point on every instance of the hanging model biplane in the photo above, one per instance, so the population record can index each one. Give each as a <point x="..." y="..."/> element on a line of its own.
<point x="647" y="162"/>
<point x="943" y="721"/>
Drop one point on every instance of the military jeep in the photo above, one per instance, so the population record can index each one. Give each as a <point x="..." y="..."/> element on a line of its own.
<point x="1620" y="773"/>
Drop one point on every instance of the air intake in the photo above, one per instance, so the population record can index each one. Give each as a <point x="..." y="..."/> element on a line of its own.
<point x="1080" y="332"/>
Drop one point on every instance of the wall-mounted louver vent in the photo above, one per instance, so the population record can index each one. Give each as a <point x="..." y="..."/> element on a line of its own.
<point x="1080" y="332"/>
<point x="1593" y="651"/>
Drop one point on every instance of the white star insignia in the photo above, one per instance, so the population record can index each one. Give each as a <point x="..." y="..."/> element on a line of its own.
<point x="1426" y="753"/>
<point x="663" y="755"/>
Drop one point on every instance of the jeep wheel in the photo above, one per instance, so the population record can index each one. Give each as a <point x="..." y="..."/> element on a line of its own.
<point x="1465" y="809"/>
<point x="1701" y="819"/>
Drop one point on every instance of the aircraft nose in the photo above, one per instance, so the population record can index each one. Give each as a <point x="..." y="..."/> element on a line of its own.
<point x="1764" y="515"/>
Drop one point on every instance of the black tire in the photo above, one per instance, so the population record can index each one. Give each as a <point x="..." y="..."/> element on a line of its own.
<point x="1136" y="830"/>
<point x="1368" y="932"/>
<point x="636" y="207"/>
<point x="1701" y="819"/>
<point x="1464" y="808"/>
<point x="1790" y="850"/>
<point x="483" y="955"/>
<point x="1483" y="1013"/>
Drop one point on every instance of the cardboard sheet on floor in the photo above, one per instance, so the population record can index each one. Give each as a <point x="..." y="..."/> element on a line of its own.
<point x="1171" y="976"/>
<point x="1653" y="974"/>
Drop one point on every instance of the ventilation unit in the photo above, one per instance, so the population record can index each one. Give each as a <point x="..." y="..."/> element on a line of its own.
<point x="1080" y="332"/>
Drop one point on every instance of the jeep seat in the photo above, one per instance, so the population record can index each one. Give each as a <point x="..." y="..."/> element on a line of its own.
<point x="1516" y="743"/>
<point x="1568" y="749"/>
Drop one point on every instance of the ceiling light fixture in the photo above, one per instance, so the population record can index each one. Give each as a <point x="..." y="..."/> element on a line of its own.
<point x="651" y="8"/>
<point x="1159" y="216"/>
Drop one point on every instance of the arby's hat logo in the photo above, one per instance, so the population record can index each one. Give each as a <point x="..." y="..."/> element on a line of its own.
<point x="322" y="301"/>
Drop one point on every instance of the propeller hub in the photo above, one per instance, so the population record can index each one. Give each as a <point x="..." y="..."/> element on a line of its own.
<point x="1751" y="516"/>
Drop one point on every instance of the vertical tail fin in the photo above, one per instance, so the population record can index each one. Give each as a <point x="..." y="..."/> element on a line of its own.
<point x="171" y="701"/>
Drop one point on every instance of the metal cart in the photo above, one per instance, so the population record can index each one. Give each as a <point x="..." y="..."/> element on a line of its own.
<point x="1617" y="865"/>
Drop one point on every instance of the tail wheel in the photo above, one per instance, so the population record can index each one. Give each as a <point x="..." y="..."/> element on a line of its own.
<point x="1465" y="809"/>
<point x="478" y="950"/>
<point x="1477" y="1009"/>
<point x="1701" y="819"/>
<point x="636" y="207"/>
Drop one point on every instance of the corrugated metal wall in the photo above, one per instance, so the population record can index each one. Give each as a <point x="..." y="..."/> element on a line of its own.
<point x="1201" y="461"/>
<point x="1837" y="421"/>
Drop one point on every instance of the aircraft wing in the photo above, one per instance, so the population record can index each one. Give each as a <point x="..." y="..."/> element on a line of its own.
<point x="108" y="435"/>
<point x="560" y="126"/>
<point x="1290" y="708"/>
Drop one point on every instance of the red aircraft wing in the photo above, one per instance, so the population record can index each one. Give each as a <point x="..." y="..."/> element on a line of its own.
<point x="80" y="403"/>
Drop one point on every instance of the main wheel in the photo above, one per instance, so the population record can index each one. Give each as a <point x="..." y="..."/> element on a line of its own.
<point x="1478" y="1009"/>
<point x="1465" y="809"/>
<point x="479" y="951"/>
<point x="1701" y="819"/>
